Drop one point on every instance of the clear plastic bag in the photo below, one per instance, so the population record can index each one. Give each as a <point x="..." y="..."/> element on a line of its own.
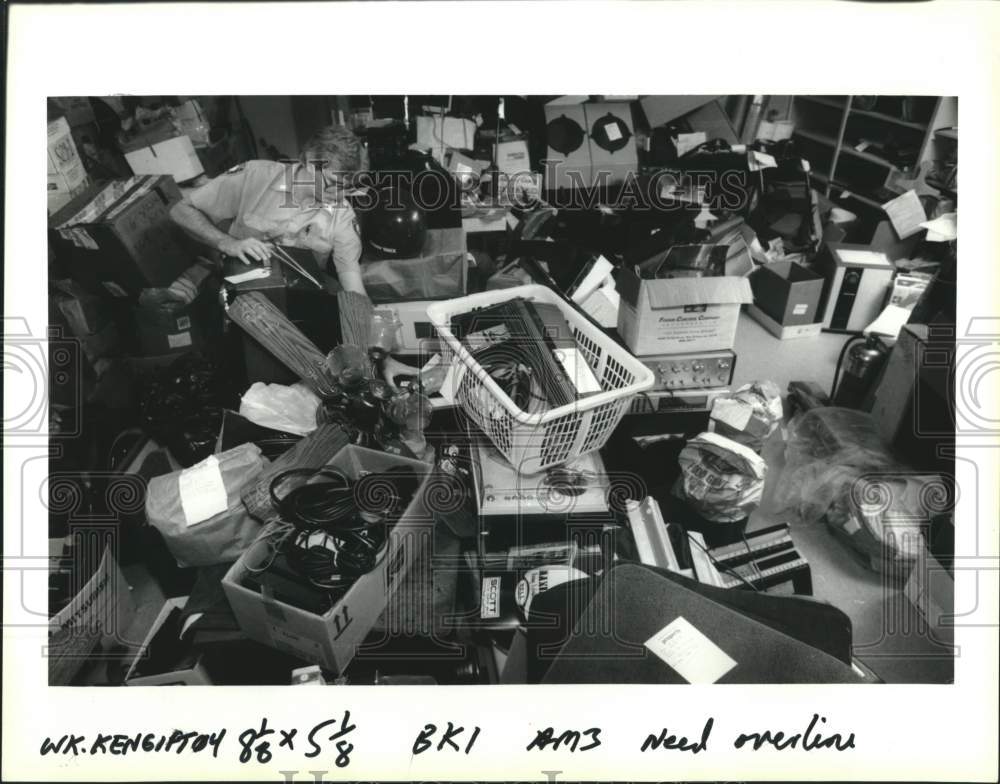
<point x="837" y="469"/>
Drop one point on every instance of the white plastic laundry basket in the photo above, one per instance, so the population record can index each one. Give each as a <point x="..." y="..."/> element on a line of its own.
<point x="534" y="442"/>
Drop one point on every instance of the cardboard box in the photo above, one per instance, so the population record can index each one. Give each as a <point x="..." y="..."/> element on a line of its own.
<point x="787" y="292"/>
<point x="782" y="332"/>
<point x="567" y="166"/>
<point x="124" y="235"/>
<point x="603" y="157"/>
<point x="331" y="639"/>
<point x="621" y="157"/>
<point x="85" y="312"/>
<point x="193" y="675"/>
<point x="681" y="314"/>
<point x="76" y="109"/>
<point x="161" y="151"/>
<point x="439" y="272"/>
<point x="661" y="109"/>
<point x="66" y="175"/>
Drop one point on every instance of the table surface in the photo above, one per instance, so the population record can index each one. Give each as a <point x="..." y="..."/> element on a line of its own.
<point x="889" y="634"/>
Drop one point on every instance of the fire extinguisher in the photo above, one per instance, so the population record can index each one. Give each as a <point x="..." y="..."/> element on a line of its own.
<point x="863" y="362"/>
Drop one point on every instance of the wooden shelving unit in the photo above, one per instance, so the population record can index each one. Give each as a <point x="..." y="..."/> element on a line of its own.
<point x="830" y="128"/>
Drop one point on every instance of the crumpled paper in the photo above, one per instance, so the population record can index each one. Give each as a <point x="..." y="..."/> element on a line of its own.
<point x="749" y="415"/>
<point x="720" y="479"/>
<point x="290" y="409"/>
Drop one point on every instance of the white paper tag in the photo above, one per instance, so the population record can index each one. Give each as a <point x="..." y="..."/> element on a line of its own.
<point x="613" y="132"/>
<point x="489" y="607"/>
<point x="184" y="322"/>
<point x="243" y="277"/>
<point x="800" y="309"/>
<point x="689" y="652"/>
<point x="179" y="340"/>
<point x="761" y="160"/>
<point x="202" y="491"/>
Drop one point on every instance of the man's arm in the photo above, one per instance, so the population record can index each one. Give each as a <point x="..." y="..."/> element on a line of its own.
<point x="347" y="251"/>
<point x="198" y="224"/>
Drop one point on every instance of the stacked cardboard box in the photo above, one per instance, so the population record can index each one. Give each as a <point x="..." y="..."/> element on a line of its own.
<point x="120" y="236"/>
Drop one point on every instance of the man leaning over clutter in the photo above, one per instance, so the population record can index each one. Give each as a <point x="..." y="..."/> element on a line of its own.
<point x="301" y="204"/>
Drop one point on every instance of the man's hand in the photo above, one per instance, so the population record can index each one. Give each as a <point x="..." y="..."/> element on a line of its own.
<point x="247" y="251"/>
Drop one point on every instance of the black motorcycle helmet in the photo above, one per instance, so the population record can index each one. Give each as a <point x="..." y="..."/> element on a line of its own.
<point x="394" y="226"/>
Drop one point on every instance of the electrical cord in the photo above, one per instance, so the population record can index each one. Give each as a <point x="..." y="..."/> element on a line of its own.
<point x="330" y="542"/>
<point x="727" y="569"/>
<point x="331" y="532"/>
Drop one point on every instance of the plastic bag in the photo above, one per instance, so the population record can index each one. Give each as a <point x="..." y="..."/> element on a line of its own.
<point x="191" y="121"/>
<point x="199" y="511"/>
<point x="720" y="479"/>
<point x="290" y="409"/>
<point x="749" y="415"/>
<point x="440" y="272"/>
<point x="838" y="469"/>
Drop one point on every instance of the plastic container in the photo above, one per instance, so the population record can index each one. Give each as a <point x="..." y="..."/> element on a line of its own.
<point x="535" y="442"/>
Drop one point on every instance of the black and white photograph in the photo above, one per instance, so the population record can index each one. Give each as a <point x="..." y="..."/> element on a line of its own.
<point x="522" y="393"/>
<point x="504" y="389"/>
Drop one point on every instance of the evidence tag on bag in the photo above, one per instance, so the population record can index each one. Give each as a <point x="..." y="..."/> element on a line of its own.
<point x="202" y="491"/>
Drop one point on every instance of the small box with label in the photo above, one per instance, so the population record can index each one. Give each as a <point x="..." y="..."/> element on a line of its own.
<point x="330" y="638"/>
<point x="66" y="175"/>
<point x="787" y="292"/>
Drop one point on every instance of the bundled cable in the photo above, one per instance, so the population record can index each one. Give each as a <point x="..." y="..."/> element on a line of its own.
<point x="312" y="452"/>
<point x="271" y="328"/>
<point x="334" y="529"/>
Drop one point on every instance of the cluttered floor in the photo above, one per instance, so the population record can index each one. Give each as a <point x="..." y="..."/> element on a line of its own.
<point x="561" y="438"/>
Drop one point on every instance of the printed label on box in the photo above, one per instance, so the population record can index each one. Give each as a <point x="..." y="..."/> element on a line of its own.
<point x="303" y="647"/>
<point x="800" y="309"/>
<point x="179" y="340"/>
<point x="689" y="652"/>
<point x="184" y="322"/>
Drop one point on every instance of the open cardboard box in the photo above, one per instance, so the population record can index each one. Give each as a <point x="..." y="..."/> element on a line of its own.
<point x="679" y="315"/>
<point x="787" y="292"/>
<point x="332" y="639"/>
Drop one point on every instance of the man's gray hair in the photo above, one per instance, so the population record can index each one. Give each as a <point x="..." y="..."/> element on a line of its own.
<point x="335" y="141"/>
